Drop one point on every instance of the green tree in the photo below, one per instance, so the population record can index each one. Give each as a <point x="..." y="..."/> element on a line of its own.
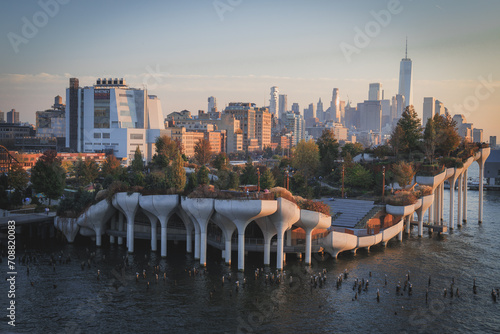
<point x="358" y="177"/>
<point x="412" y="130"/>
<point x="176" y="173"/>
<point x="221" y="161"/>
<point x="328" y="151"/>
<point x="137" y="163"/>
<point x="249" y="174"/>
<point x="166" y="149"/>
<point x="234" y="181"/>
<point x="202" y="152"/>
<point x="448" y="138"/>
<point x="86" y="171"/>
<point x="192" y="182"/>
<point x="267" y="180"/>
<point x="48" y="176"/>
<point x="202" y="176"/>
<point x="397" y="140"/>
<point x="430" y="138"/>
<point x="353" y="149"/>
<point x="18" y="178"/>
<point x="223" y="179"/>
<point x="306" y="158"/>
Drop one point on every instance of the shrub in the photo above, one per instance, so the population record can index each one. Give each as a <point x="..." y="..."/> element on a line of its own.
<point x="282" y="192"/>
<point x="423" y="190"/>
<point x="451" y="162"/>
<point x="401" y="198"/>
<point x="307" y="204"/>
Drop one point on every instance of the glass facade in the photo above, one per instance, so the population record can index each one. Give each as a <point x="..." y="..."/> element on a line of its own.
<point x="101" y="108"/>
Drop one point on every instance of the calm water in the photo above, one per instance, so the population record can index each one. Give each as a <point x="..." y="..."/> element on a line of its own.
<point x="116" y="303"/>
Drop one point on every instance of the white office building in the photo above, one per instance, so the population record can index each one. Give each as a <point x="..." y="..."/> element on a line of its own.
<point x="273" y="102"/>
<point x="110" y="116"/>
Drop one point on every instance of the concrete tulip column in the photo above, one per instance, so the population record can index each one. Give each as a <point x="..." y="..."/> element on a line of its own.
<point x="464" y="206"/>
<point x="434" y="182"/>
<point x="128" y="205"/>
<point x="485" y="152"/>
<point x="452" y="180"/>
<point x="153" y="221"/>
<point x="188" y="222"/>
<point x="310" y="220"/>
<point x="161" y="207"/>
<point x="426" y="203"/>
<point x="201" y="209"/>
<point x="242" y="213"/>
<point x="268" y="230"/>
<point x="227" y="228"/>
<point x="96" y="217"/>
<point x="113" y="227"/>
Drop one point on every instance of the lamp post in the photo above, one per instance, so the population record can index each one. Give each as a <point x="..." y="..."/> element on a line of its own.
<point x="287" y="180"/>
<point x="383" y="182"/>
<point x="258" y="180"/>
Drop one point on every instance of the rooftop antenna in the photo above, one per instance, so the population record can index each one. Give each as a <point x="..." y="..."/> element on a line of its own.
<point x="406" y="50"/>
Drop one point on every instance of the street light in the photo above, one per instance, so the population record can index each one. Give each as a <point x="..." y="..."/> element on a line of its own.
<point x="342" y="181"/>
<point x="383" y="182"/>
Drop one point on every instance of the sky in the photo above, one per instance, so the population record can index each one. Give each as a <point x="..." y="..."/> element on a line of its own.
<point x="185" y="51"/>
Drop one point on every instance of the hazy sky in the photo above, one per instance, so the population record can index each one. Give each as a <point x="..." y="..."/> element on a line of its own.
<point x="235" y="50"/>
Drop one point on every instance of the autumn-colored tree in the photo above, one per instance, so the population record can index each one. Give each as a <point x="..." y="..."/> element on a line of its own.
<point x="202" y="152"/>
<point x="403" y="173"/>
<point x="18" y="178"/>
<point x="328" y="151"/>
<point x="447" y="137"/>
<point x="306" y="158"/>
<point x="111" y="166"/>
<point x="176" y="174"/>
<point x="166" y="149"/>
<point x="48" y="176"/>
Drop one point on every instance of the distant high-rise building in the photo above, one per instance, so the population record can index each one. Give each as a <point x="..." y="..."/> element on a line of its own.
<point x="319" y="110"/>
<point x="335" y="106"/>
<point x="493" y="141"/>
<point x="405" y="79"/>
<point x="273" y="102"/>
<point x="13" y="116"/>
<point x="2" y="117"/>
<point x="477" y="135"/>
<point x="429" y="109"/>
<point x="283" y="104"/>
<point x="370" y="116"/>
<point x="212" y="104"/>
<point x="295" y="123"/>
<point x="375" y="91"/>
<point x="439" y="108"/>
<point x="296" y="108"/>
<point x="400" y="105"/>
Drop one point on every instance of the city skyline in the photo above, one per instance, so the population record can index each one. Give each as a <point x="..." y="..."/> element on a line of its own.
<point x="237" y="51"/>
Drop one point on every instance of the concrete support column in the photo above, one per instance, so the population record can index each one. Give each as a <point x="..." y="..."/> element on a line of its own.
<point x="228" y="250"/>
<point x="400" y="235"/>
<point x="481" y="184"/>
<point x="279" y="250"/>
<point x="408" y="223"/>
<point x="430" y="214"/>
<point x="120" y="227"/>
<point x="189" y="241"/>
<point x="241" y="250"/>
<point x="203" y="247"/>
<point x="164" y="238"/>
<point x="267" y="250"/>
<point x="464" y="213"/>
<point x="421" y="225"/>
<point x="98" y="237"/>
<point x="197" y="245"/>
<point x="459" y="209"/>
<point x="308" y="246"/>
<point x="289" y="237"/>
<point x="113" y="227"/>
<point x="154" y="240"/>
<point x="441" y="206"/>
<point x="130" y="234"/>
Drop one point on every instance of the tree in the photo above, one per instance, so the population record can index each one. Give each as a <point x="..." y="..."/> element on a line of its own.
<point x="202" y="176"/>
<point x="382" y="151"/>
<point x="234" y="181"/>
<point x="166" y="149"/>
<point x="328" y="151"/>
<point x="48" y="176"/>
<point x="249" y="174"/>
<point x="403" y="173"/>
<point x="411" y="128"/>
<point x="358" y="177"/>
<point x="267" y="180"/>
<point x="430" y="137"/>
<point x="447" y="137"/>
<point x="397" y="140"/>
<point x="86" y="171"/>
<point x="306" y="158"/>
<point x="137" y="163"/>
<point x="176" y="173"/>
<point x="18" y="178"/>
<point x="202" y="152"/>
<point x="353" y="149"/>
<point x="111" y="166"/>
<point x="221" y="161"/>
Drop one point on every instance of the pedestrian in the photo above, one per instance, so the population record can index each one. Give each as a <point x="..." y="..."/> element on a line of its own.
<point x="47" y="210"/>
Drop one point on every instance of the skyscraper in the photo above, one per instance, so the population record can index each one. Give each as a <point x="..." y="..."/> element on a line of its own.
<point x="429" y="109"/>
<point x="283" y="105"/>
<point x="319" y="110"/>
<point x="335" y="106"/>
<point x="296" y="108"/>
<point x="375" y="91"/>
<point x="273" y="102"/>
<point x="212" y="104"/>
<point x="13" y="116"/>
<point x="405" y="79"/>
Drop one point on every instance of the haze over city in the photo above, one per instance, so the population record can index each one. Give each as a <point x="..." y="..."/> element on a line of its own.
<point x="236" y="50"/>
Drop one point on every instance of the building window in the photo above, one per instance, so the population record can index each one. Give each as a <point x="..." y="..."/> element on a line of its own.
<point x="105" y="135"/>
<point x="97" y="135"/>
<point x="136" y="136"/>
